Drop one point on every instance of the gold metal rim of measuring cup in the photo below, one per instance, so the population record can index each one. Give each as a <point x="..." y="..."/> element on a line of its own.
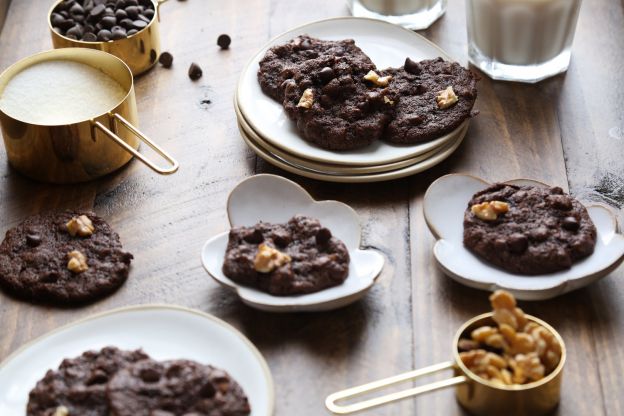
<point x="114" y="118"/>
<point x="122" y="44"/>
<point x="457" y="364"/>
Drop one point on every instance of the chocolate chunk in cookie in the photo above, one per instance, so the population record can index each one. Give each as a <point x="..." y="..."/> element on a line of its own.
<point x="179" y="387"/>
<point x="528" y="230"/>
<point x="282" y="62"/>
<point x="294" y="258"/>
<point x="79" y="384"/>
<point x="62" y="258"/>
<point x="433" y="97"/>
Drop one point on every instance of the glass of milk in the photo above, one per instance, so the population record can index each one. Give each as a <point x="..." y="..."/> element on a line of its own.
<point x="412" y="14"/>
<point x="521" y="40"/>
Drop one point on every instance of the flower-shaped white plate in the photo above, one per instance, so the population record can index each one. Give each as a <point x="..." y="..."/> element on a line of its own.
<point x="271" y="198"/>
<point x="444" y="206"/>
<point x="386" y="44"/>
<point x="164" y="332"/>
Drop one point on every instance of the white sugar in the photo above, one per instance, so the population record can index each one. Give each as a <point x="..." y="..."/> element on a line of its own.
<point x="60" y="92"/>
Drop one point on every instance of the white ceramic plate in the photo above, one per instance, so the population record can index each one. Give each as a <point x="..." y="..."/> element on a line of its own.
<point x="271" y="198"/>
<point x="386" y="44"/>
<point x="288" y="166"/>
<point x="444" y="206"/>
<point x="331" y="169"/>
<point x="164" y="332"/>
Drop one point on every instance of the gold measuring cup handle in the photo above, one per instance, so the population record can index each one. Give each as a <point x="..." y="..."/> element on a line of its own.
<point x="352" y="392"/>
<point x="163" y="171"/>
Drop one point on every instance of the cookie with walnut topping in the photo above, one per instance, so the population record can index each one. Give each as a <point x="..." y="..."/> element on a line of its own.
<point x="62" y="258"/>
<point x="79" y="385"/>
<point x="180" y="387"/>
<point x="425" y="107"/>
<point x="528" y="230"/>
<point x="295" y="258"/>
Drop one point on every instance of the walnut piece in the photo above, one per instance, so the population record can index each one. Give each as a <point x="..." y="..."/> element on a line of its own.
<point x="80" y="226"/>
<point x="388" y="100"/>
<point x="77" y="262"/>
<point x="488" y="211"/>
<point x="268" y="259"/>
<point x="374" y="77"/>
<point x="446" y="98"/>
<point x="524" y="350"/>
<point x="61" y="411"/>
<point x="307" y="99"/>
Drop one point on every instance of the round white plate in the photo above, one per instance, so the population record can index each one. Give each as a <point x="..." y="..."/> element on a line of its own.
<point x="163" y="332"/>
<point x="288" y="166"/>
<point x="386" y="44"/>
<point x="274" y="199"/>
<point x="444" y="205"/>
<point x="332" y="169"/>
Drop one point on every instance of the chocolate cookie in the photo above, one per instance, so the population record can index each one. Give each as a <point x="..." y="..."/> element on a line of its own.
<point x="62" y="258"/>
<point x="294" y="258"/>
<point x="425" y="108"/>
<point x="334" y="106"/>
<point x="152" y="388"/>
<point x="281" y="62"/>
<point x="79" y="384"/>
<point x="528" y="230"/>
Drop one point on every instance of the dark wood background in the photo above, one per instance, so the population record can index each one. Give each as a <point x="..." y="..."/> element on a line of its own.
<point x="567" y="131"/>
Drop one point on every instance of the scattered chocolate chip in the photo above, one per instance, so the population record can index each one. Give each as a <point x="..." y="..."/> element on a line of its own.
<point x="195" y="72"/>
<point x="205" y="102"/>
<point x="254" y="237"/>
<point x="166" y="59"/>
<point x="323" y="236"/>
<point x="570" y="224"/>
<point x="282" y="239"/>
<point x="224" y="41"/>
<point x="412" y="67"/>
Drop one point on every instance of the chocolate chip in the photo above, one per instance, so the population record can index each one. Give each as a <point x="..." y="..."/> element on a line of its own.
<point x="89" y="37"/>
<point x="143" y="18"/>
<point x="120" y="4"/>
<point x="207" y="391"/>
<point x="149" y="13"/>
<point x="166" y="59"/>
<point x="76" y="9"/>
<point x="412" y="67"/>
<point x="126" y="23"/>
<point x="282" y="239"/>
<point x="557" y="190"/>
<point x="119" y="34"/>
<point x="97" y="377"/>
<point x="570" y="224"/>
<point x="539" y="234"/>
<point x="323" y="236"/>
<point x="33" y="240"/>
<point x="517" y="243"/>
<point x="195" y="72"/>
<point x="104" y="35"/>
<point x="254" y="237"/>
<point x="75" y="31"/>
<point x="132" y="32"/>
<point x="224" y="41"/>
<point x="326" y="74"/>
<point x="562" y="202"/>
<point x="132" y="11"/>
<point x="97" y="11"/>
<point x="108" y="22"/>
<point x="149" y="375"/>
<point x="139" y="24"/>
<point x="56" y="19"/>
<point x="120" y="15"/>
<point x="132" y="2"/>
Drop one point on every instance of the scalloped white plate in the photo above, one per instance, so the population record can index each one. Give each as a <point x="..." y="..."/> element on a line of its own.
<point x="385" y="43"/>
<point x="274" y="199"/>
<point x="163" y="331"/>
<point x="444" y="206"/>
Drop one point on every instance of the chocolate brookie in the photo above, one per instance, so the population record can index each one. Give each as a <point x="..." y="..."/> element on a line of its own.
<point x="433" y="97"/>
<point x="170" y="388"/>
<point x="62" y="258"/>
<point x="79" y="385"/>
<point x="281" y="62"/>
<point x="528" y="230"/>
<point x="294" y="258"/>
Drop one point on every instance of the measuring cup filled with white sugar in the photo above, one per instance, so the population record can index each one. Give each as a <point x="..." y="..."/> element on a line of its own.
<point x="69" y="115"/>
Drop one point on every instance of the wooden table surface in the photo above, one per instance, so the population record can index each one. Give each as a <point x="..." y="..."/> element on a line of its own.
<point x="567" y="131"/>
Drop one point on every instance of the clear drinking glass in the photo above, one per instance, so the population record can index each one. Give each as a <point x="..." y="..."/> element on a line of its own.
<point x="412" y="14"/>
<point x="521" y="40"/>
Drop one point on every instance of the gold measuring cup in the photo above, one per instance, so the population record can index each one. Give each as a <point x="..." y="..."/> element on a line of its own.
<point x="83" y="150"/>
<point x="139" y="51"/>
<point x="478" y="396"/>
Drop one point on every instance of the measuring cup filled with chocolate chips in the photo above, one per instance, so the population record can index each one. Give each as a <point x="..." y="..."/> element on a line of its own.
<point x="128" y="29"/>
<point x="505" y="363"/>
<point x="70" y="115"/>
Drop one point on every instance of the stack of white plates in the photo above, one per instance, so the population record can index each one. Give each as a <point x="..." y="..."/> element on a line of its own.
<point x="267" y="131"/>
